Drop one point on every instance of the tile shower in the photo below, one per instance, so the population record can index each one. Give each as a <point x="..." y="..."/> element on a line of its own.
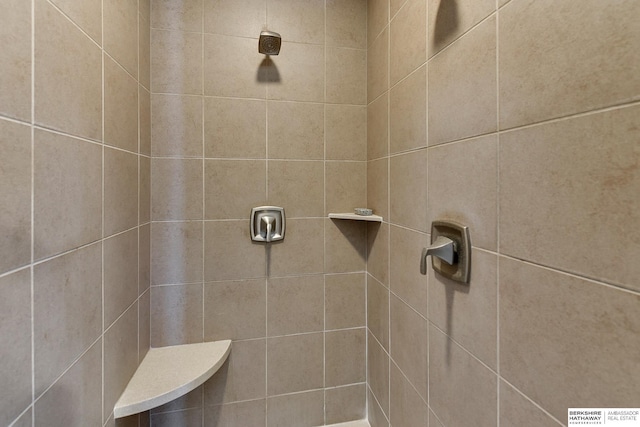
<point x="136" y="136"/>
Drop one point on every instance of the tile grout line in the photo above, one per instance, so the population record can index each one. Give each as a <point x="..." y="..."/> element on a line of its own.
<point x="497" y="222"/>
<point x="32" y="219"/>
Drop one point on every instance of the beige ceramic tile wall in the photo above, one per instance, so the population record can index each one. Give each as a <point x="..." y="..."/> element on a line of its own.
<point x="231" y="130"/>
<point x="519" y="119"/>
<point x="74" y="221"/>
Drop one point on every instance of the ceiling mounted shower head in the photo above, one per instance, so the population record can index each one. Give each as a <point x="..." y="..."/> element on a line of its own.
<point x="269" y="43"/>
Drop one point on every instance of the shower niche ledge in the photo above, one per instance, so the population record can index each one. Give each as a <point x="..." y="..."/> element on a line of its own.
<point x="355" y="217"/>
<point x="167" y="373"/>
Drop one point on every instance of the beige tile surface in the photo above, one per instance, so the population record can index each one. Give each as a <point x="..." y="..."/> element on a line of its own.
<point x="177" y="252"/>
<point x="408" y="190"/>
<point x="456" y="376"/>
<point x="81" y="383"/>
<point x="233" y="187"/>
<point x="345" y="357"/>
<point x="296" y="410"/>
<point x="345" y="186"/>
<point x="295" y="363"/>
<point x="235" y="310"/>
<point x="235" y="128"/>
<point x="176" y="62"/>
<point x="144" y="324"/>
<point x="242" y="377"/>
<point x="67" y="195"/>
<point x="408" y="112"/>
<point x="343" y="404"/>
<point x="144" y="258"/>
<point x="405" y="279"/>
<point x="346" y="71"/>
<point x="395" y="5"/>
<point x="346" y="23"/>
<point x="377" y="18"/>
<point x="300" y="71"/>
<point x="449" y="20"/>
<point x="15" y="189"/>
<point x="547" y="362"/>
<point x="378" y="373"/>
<point x="15" y="339"/>
<point x="244" y="18"/>
<point x="176" y="125"/>
<point x="301" y="20"/>
<point x="144" y="114"/>
<point x="468" y="313"/>
<point x="177" y="189"/>
<point x="184" y="15"/>
<point x="120" y="191"/>
<point x="85" y="14"/>
<point x="378" y="128"/>
<point x="67" y="301"/>
<point x="120" y="32"/>
<point x="375" y="415"/>
<point x="584" y="53"/>
<point x="378" y="187"/>
<point x="191" y="400"/>
<point x="345" y="132"/>
<point x="297" y="186"/>
<point x="69" y="76"/>
<point x="120" y="255"/>
<point x="577" y="177"/>
<point x="378" y="66"/>
<point x="345" y="246"/>
<point x="378" y="312"/>
<point x="295" y="305"/>
<point x="463" y="86"/>
<point x="145" y="189"/>
<point x="408" y="344"/>
<point x="26" y="420"/>
<point x="144" y="51"/>
<point x="301" y="251"/>
<point x="15" y="62"/>
<point x="190" y="417"/>
<point x="515" y="409"/>
<point x="407" y="409"/>
<point x="237" y="74"/>
<point x="176" y="315"/>
<point x="229" y="252"/>
<point x="462" y="187"/>
<point x="378" y="251"/>
<point x="120" y="107"/>
<point x="296" y="130"/>
<point x="250" y="413"/>
<point x="407" y="39"/>
<point x="345" y="300"/>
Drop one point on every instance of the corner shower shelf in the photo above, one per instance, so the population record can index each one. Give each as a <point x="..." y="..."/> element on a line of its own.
<point x="167" y="373"/>
<point x="352" y="216"/>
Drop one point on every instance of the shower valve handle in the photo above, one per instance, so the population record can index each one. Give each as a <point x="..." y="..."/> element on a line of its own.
<point x="268" y="220"/>
<point x="443" y="248"/>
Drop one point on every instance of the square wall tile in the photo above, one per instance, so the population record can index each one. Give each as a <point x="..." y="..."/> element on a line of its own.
<point x="378" y="187"/>
<point x="300" y="73"/>
<point x="556" y="179"/>
<point x="235" y="128"/>
<point x="301" y="20"/>
<point x="177" y="252"/>
<point x="345" y="357"/>
<point x="176" y="125"/>
<point x="176" y="315"/>
<point x="298" y="186"/>
<point x="346" y="184"/>
<point x="15" y="339"/>
<point x="345" y="132"/>
<point x="345" y="248"/>
<point x="586" y="59"/>
<point x="177" y="189"/>
<point x="378" y="128"/>
<point x="67" y="303"/>
<point x="296" y="130"/>
<point x="378" y="373"/>
<point x="599" y="330"/>
<point x="230" y="253"/>
<point x="232" y="66"/>
<point x="68" y="71"/>
<point x="345" y="301"/>
<point x="120" y="32"/>
<point x="235" y="310"/>
<point x="67" y="193"/>
<point x="343" y="404"/>
<point x="448" y="21"/>
<point x="242" y="377"/>
<point x="120" y="254"/>
<point x="404" y="275"/>
<point x="85" y="14"/>
<point x="233" y="187"/>
<point x="15" y="80"/>
<point x="184" y="15"/>
<point x="244" y="18"/>
<point x="408" y="112"/>
<point x="296" y="410"/>
<point x="407" y="407"/>
<point x="249" y="413"/>
<point x="15" y="192"/>
<point x="176" y="62"/>
<point x="408" y="190"/>
<point x="463" y="188"/>
<point x="295" y="305"/>
<point x="407" y="39"/>
<point x="346" y="76"/>
<point x="378" y="66"/>
<point x="120" y="107"/>
<point x="120" y="191"/>
<point x="301" y="251"/>
<point x="378" y="311"/>
<point x="515" y="409"/>
<point x="463" y="87"/>
<point x="346" y="24"/>
<point x="295" y="363"/>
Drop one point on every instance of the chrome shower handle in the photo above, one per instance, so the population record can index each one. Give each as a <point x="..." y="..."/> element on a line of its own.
<point x="443" y="248"/>
<point x="268" y="220"/>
